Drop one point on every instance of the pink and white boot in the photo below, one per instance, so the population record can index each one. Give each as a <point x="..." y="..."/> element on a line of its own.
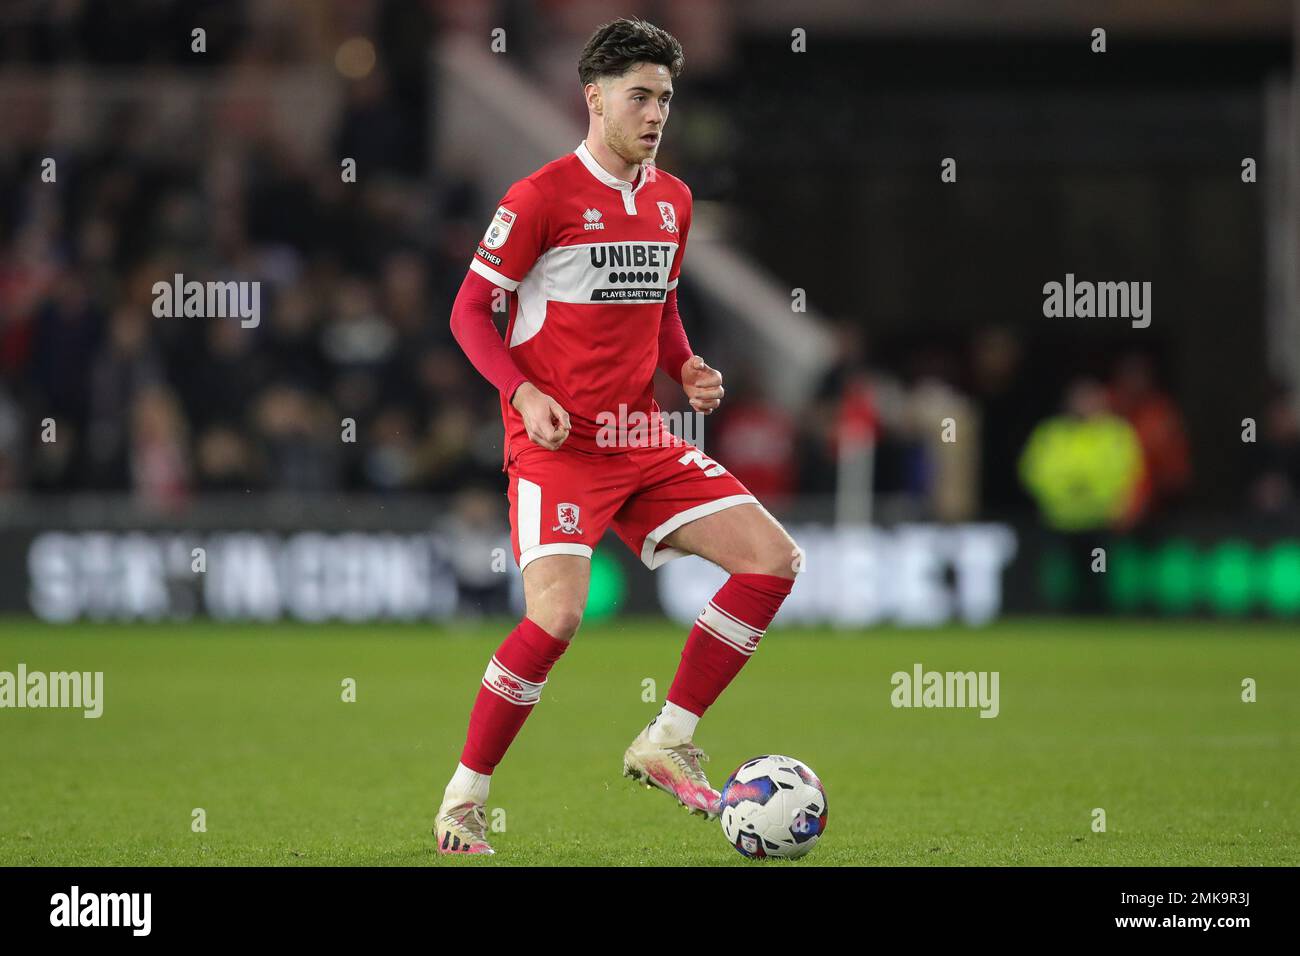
<point x="675" y="769"/>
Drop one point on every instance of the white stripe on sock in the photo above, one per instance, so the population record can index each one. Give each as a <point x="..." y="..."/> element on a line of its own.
<point x="511" y="686"/>
<point x="722" y="610"/>
<point x="741" y="648"/>
<point x="726" y="628"/>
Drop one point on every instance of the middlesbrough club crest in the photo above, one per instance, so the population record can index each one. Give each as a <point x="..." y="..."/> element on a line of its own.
<point x="669" y="215"/>
<point x="567" y="514"/>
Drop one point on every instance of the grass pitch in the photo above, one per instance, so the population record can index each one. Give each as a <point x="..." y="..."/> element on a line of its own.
<point x="1144" y="720"/>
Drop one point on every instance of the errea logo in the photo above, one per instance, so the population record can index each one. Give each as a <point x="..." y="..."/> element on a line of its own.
<point x="592" y="217"/>
<point x="510" y="684"/>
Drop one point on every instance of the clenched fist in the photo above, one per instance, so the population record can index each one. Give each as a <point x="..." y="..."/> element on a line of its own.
<point x="547" y="423"/>
<point x="703" y="385"/>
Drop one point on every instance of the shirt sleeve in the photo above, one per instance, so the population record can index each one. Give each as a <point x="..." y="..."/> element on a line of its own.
<point x="674" y="347"/>
<point x="515" y="238"/>
<point x="684" y="224"/>
<point x="472" y="327"/>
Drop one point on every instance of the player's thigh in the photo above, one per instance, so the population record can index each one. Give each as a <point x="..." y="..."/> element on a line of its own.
<point x="555" y="593"/>
<point x="743" y="539"/>
<point x="690" y="504"/>
<point x="561" y="502"/>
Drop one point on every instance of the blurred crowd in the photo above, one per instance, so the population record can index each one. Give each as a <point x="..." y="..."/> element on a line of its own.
<point x="976" y="430"/>
<point x="355" y="295"/>
<point x="98" y="394"/>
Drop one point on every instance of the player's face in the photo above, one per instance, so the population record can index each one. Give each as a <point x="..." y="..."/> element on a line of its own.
<point x="635" y="111"/>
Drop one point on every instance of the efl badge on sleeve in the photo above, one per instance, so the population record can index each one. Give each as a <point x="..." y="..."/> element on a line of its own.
<point x="499" y="230"/>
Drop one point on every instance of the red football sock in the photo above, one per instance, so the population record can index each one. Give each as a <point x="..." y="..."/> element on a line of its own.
<point x="724" y="635"/>
<point x="511" y="686"/>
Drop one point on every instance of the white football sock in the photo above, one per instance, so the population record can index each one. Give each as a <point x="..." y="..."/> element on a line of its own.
<point x="673" y="725"/>
<point x="466" y="785"/>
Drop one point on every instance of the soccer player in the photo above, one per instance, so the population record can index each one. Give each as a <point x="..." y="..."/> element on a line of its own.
<point x="591" y="247"/>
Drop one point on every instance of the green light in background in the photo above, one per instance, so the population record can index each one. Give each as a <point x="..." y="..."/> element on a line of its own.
<point x="1056" y="579"/>
<point x="607" y="587"/>
<point x="1281" y="573"/>
<point x="1230" y="577"/>
<point x="1126" y="576"/>
<point x="1174" y="568"/>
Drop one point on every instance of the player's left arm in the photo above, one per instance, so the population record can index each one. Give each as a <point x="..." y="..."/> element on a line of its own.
<point x="702" y="384"/>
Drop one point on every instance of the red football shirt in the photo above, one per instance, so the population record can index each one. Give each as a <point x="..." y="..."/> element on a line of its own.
<point x="591" y="259"/>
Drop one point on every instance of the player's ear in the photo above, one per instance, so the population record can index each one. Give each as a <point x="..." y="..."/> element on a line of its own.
<point x="594" y="99"/>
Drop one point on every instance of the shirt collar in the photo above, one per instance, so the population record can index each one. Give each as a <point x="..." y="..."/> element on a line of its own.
<point x="606" y="177"/>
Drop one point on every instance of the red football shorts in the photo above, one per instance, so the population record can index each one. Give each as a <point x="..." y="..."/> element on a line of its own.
<point x="561" y="502"/>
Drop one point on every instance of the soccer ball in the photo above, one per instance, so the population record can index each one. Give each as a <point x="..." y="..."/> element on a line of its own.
<point x="773" y="806"/>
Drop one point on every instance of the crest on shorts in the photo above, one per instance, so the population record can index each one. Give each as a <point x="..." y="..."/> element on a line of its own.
<point x="566" y="513"/>
<point x="669" y="215"/>
<point x="499" y="230"/>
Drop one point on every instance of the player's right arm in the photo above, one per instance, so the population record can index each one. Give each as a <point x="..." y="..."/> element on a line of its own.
<point x="514" y="239"/>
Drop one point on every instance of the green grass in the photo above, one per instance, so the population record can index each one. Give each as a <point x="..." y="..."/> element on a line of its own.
<point x="1142" y="719"/>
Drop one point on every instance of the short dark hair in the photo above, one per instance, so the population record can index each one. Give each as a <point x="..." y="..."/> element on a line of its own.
<point x="619" y="45"/>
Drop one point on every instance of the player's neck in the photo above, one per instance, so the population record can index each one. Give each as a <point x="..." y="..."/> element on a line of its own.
<point x="610" y="161"/>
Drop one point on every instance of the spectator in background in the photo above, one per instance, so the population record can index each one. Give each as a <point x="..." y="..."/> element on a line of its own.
<point x="853" y="401"/>
<point x="818" y="448"/>
<point x="160" y="476"/>
<point x="125" y="369"/>
<point x="302" y="446"/>
<point x="851" y="440"/>
<point x="756" y="439"/>
<point x="389" y="461"/>
<point x="1008" y="407"/>
<point x="225" y="461"/>
<point x="1160" y="431"/>
<point x="11" y="442"/>
<point x="453" y="455"/>
<point x="361" y="346"/>
<point x="1083" y="467"/>
<point x="67" y="333"/>
<point x="404" y="293"/>
<point x="293" y="339"/>
<point x="1276" y="489"/>
<point x="218" y="383"/>
<point x="474" y="523"/>
<point x="944" y="424"/>
<point x="374" y="130"/>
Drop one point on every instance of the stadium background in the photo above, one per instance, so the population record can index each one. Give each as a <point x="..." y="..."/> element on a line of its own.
<point x="816" y="177"/>
<point x="853" y="300"/>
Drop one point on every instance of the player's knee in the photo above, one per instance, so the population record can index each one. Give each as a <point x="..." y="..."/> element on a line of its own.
<point x="796" y="558"/>
<point x="784" y="560"/>
<point x="567" y="622"/>
<point x="779" y="556"/>
<point x="560" y="619"/>
<point x="555" y="593"/>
